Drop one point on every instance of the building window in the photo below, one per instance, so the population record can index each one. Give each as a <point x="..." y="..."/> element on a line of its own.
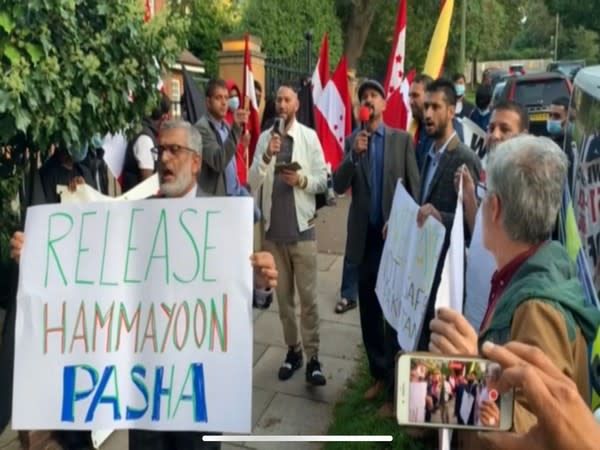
<point x="175" y="98"/>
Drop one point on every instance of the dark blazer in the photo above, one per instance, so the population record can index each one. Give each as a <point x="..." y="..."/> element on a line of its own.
<point x="399" y="162"/>
<point x="442" y="194"/>
<point x="215" y="156"/>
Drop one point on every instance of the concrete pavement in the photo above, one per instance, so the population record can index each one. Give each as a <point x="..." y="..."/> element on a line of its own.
<point x="293" y="407"/>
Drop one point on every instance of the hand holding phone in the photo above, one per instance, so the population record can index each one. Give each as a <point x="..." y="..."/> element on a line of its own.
<point x="291" y="166"/>
<point x="451" y="392"/>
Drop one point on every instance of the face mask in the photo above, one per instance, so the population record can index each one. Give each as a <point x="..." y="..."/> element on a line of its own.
<point x="234" y="103"/>
<point x="554" y="127"/>
<point x="460" y="89"/>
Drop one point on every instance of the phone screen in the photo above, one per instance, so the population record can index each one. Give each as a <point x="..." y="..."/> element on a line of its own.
<point x="455" y="393"/>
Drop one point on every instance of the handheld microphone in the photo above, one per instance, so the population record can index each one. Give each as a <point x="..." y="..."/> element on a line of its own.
<point x="364" y="114"/>
<point x="277" y="126"/>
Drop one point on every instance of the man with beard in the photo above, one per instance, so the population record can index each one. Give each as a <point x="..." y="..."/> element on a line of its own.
<point x="444" y="157"/>
<point x="179" y="161"/>
<point x="376" y="158"/>
<point x="288" y="208"/>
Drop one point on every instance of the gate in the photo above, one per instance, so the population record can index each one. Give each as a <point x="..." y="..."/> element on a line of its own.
<point x="288" y="69"/>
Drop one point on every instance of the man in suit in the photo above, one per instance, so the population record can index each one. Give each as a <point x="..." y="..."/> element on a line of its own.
<point x="218" y="175"/>
<point x="179" y="161"/>
<point x="444" y="157"/>
<point x="376" y="158"/>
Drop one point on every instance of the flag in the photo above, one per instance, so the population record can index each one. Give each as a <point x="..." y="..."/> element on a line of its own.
<point x="397" y="112"/>
<point x="333" y="115"/>
<point x="568" y="235"/>
<point x="437" y="48"/>
<point x="253" y="125"/>
<point x="321" y="74"/>
<point x="147" y="11"/>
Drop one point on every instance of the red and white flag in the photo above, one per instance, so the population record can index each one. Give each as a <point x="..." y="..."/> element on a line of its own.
<point x="321" y="74"/>
<point x="333" y="115"/>
<point x="397" y="112"/>
<point x="253" y="125"/>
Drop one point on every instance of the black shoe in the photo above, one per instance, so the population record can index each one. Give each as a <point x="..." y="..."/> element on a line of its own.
<point x="293" y="361"/>
<point x="314" y="375"/>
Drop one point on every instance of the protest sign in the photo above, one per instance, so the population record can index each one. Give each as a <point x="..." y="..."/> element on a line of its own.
<point x="408" y="263"/>
<point x="416" y="401"/>
<point x="135" y="315"/>
<point x="474" y="137"/>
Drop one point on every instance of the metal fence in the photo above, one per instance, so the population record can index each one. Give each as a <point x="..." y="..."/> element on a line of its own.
<point x="288" y="69"/>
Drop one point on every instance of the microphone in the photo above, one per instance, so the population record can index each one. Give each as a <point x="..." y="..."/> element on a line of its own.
<point x="277" y="126"/>
<point x="364" y="114"/>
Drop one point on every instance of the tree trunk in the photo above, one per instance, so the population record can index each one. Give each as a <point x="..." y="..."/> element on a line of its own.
<point x="357" y="31"/>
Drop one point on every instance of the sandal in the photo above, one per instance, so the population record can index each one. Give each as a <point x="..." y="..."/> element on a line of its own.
<point x="344" y="305"/>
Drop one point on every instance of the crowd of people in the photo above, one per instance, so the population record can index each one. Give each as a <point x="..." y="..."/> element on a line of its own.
<point x="511" y="209"/>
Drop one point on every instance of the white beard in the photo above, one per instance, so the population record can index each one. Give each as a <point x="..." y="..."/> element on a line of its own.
<point x="177" y="187"/>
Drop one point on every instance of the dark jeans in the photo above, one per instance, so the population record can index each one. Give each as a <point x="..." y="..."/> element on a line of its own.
<point x="379" y="337"/>
<point x="349" y="289"/>
<point x="170" y="440"/>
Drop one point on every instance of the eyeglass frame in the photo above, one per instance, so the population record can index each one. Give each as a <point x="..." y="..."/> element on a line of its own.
<point x="173" y="149"/>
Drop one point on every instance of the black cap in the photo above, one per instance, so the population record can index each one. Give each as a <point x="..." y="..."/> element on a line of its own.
<point x="371" y="84"/>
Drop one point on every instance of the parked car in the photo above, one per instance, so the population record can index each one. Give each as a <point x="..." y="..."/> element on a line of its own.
<point x="536" y="92"/>
<point x="516" y="70"/>
<point x="498" y="91"/>
<point x="568" y="68"/>
<point x="493" y="75"/>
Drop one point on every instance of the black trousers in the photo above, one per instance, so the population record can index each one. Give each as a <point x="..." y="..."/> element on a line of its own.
<point x="170" y="440"/>
<point x="379" y="337"/>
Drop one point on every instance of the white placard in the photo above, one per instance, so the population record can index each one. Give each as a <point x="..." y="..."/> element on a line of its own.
<point x="466" y="405"/>
<point x="407" y="268"/>
<point x="115" y="147"/>
<point x="85" y="193"/>
<point x="135" y="315"/>
<point x="416" y="402"/>
<point x="474" y="137"/>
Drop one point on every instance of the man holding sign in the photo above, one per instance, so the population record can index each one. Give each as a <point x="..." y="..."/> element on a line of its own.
<point x="179" y="160"/>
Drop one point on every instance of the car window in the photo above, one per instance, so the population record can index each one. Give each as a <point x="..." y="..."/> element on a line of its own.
<point x="540" y="93"/>
<point x="497" y="91"/>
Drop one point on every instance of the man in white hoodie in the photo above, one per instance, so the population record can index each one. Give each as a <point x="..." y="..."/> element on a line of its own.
<point x="288" y="208"/>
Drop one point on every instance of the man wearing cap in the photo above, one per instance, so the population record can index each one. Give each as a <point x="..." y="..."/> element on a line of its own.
<point x="376" y="157"/>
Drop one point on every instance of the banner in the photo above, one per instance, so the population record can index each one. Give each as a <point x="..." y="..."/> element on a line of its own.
<point x="129" y="315"/>
<point x="407" y="268"/>
<point x="474" y="137"/>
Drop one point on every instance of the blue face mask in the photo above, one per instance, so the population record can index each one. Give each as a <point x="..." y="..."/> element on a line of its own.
<point x="234" y="103"/>
<point x="554" y="127"/>
<point x="460" y="89"/>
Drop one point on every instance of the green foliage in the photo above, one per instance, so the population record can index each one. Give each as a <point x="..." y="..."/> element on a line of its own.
<point x="576" y="13"/>
<point x="281" y="24"/>
<point x="68" y="66"/>
<point x="579" y="43"/>
<point x="211" y="20"/>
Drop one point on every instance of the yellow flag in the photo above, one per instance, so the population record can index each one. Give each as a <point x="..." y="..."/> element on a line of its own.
<point x="439" y="41"/>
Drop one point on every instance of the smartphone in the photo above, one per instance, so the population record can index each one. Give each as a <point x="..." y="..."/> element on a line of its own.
<point x="451" y="392"/>
<point x="294" y="166"/>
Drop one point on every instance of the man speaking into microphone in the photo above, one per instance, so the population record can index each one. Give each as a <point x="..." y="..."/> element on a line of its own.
<point x="376" y="157"/>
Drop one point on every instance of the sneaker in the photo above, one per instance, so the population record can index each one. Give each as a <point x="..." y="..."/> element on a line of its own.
<point x="293" y="361"/>
<point x="314" y="375"/>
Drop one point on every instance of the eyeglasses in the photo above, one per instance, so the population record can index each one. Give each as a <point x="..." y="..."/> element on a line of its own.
<point x="173" y="150"/>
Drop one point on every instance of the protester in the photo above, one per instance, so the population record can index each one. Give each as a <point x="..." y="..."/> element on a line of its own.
<point x="483" y="101"/>
<point x="179" y="160"/>
<point x="438" y="197"/>
<point x="464" y="405"/>
<point x="258" y="92"/>
<point x="536" y="296"/>
<point x="288" y="208"/>
<point x="463" y="106"/>
<point x="234" y="103"/>
<point x="218" y="175"/>
<point x="375" y="158"/>
<point x="563" y="418"/>
<point x="140" y="162"/>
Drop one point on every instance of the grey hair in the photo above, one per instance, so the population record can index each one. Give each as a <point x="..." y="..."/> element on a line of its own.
<point x="193" y="135"/>
<point x="528" y="173"/>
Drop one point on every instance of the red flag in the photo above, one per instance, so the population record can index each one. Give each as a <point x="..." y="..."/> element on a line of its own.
<point x="147" y="11"/>
<point x="253" y="125"/>
<point x="397" y="112"/>
<point x="333" y="115"/>
<point x="321" y="74"/>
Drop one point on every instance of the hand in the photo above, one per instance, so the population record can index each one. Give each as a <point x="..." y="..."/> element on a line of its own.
<point x="361" y="143"/>
<point x="467" y="179"/>
<point x="425" y="211"/>
<point x="489" y="414"/>
<point x="245" y="139"/>
<point x="274" y="145"/>
<point x="384" y="232"/>
<point x="240" y="117"/>
<point x="16" y="245"/>
<point x="451" y="334"/>
<point x="564" y="420"/>
<point x="291" y="177"/>
<point x="74" y="182"/>
<point x="265" y="272"/>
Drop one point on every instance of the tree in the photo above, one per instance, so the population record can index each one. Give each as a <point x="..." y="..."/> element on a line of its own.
<point x="68" y="69"/>
<point x="282" y="24"/>
<point x="576" y="13"/>
<point x="211" y="20"/>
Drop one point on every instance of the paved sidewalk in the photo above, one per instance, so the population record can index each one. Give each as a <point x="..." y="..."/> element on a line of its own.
<point x="293" y="407"/>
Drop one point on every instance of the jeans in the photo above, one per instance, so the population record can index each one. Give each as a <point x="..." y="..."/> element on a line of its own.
<point x="349" y="289"/>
